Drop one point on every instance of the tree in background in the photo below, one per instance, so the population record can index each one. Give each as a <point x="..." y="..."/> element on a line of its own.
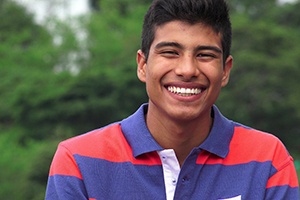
<point x="26" y="66"/>
<point x="30" y="93"/>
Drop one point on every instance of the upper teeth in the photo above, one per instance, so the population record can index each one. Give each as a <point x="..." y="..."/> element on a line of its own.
<point x="184" y="91"/>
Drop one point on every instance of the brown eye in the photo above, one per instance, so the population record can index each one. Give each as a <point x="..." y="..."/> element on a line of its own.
<point x="206" y="55"/>
<point x="170" y="52"/>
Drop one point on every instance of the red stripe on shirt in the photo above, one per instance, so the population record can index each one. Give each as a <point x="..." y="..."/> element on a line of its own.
<point x="249" y="145"/>
<point x="108" y="144"/>
<point x="64" y="164"/>
<point x="286" y="175"/>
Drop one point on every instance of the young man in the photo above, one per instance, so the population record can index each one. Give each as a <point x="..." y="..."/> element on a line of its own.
<point x="178" y="146"/>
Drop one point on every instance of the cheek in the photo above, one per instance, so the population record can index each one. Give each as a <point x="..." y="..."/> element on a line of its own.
<point x="151" y="89"/>
<point x="152" y="81"/>
<point x="214" y="75"/>
<point x="153" y="84"/>
<point x="154" y="73"/>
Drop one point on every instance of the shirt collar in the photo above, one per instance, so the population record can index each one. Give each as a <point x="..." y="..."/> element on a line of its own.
<point x="137" y="133"/>
<point x="141" y="141"/>
<point x="219" y="138"/>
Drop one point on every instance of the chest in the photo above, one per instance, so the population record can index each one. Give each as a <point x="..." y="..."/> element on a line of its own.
<point x="199" y="178"/>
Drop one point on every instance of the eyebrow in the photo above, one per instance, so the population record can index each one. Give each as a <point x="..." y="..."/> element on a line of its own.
<point x="169" y="44"/>
<point x="179" y="46"/>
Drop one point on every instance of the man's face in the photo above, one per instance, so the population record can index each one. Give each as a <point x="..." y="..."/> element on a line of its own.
<point x="184" y="72"/>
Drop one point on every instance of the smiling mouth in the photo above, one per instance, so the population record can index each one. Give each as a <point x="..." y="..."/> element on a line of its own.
<point x="184" y="91"/>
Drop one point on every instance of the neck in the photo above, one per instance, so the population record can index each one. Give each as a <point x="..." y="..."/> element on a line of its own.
<point x="182" y="136"/>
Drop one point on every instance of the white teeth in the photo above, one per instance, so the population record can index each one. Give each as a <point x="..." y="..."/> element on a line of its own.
<point x="184" y="91"/>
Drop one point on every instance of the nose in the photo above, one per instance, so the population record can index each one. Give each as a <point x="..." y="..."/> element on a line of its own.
<point x="187" y="68"/>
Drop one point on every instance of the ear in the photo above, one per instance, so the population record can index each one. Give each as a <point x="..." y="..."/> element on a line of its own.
<point x="226" y="71"/>
<point x="141" y="65"/>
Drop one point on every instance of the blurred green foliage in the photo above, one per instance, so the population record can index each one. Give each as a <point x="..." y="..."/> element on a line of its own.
<point x="43" y="101"/>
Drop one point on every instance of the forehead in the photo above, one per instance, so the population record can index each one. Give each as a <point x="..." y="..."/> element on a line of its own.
<point x="186" y="33"/>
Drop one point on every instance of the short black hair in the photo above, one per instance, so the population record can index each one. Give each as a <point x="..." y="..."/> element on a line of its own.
<point x="214" y="13"/>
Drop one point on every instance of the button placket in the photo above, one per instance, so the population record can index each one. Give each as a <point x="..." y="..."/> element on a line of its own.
<point x="171" y="171"/>
<point x="186" y="175"/>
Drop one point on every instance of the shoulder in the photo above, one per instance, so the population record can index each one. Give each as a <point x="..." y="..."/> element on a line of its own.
<point x="255" y="145"/>
<point x="94" y="136"/>
<point x="97" y="143"/>
<point x="250" y="136"/>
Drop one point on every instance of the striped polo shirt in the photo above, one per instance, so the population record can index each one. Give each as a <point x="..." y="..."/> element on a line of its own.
<point x="123" y="161"/>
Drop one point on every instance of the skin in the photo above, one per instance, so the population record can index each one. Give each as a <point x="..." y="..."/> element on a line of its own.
<point x="187" y="56"/>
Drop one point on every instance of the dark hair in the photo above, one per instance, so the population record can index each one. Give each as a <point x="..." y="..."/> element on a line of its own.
<point x="213" y="13"/>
